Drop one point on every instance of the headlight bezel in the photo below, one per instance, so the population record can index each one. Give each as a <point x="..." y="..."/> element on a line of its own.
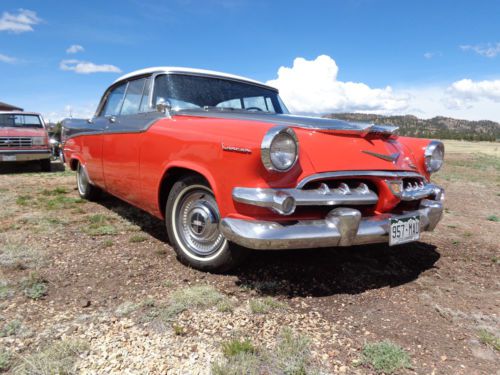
<point x="429" y="156"/>
<point x="267" y="142"/>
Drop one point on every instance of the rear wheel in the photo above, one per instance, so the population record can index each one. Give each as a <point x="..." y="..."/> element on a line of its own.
<point x="192" y="220"/>
<point x="85" y="188"/>
<point x="45" y="165"/>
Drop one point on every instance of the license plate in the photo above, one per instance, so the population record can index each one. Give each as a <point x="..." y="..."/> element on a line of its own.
<point x="404" y="230"/>
<point x="8" y="157"/>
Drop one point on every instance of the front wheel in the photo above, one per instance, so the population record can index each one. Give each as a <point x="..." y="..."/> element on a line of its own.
<point x="85" y="188"/>
<point x="192" y="219"/>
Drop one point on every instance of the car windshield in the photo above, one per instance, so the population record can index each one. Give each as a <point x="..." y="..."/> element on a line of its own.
<point x="187" y="92"/>
<point x="20" y="121"/>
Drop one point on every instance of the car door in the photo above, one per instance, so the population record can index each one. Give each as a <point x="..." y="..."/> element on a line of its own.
<point x="122" y="139"/>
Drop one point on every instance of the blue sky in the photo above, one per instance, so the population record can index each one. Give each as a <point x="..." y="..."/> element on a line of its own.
<point x="422" y="57"/>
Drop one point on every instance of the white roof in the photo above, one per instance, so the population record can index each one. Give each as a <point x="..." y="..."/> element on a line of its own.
<point x="175" y="69"/>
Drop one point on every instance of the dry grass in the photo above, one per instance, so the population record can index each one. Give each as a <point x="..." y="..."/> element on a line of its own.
<point x="489" y="339"/>
<point x="291" y="355"/>
<point x="265" y="305"/>
<point x="463" y="147"/>
<point x="15" y="254"/>
<point x="58" y="358"/>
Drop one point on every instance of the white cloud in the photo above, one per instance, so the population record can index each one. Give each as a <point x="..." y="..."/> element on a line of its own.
<point x="311" y="87"/>
<point x="75" y="48"/>
<point x="486" y="50"/>
<point x="86" y="67"/>
<point x="7" y="59"/>
<point x="76" y="110"/>
<point x="21" y="22"/>
<point x="431" y="55"/>
<point x="466" y="92"/>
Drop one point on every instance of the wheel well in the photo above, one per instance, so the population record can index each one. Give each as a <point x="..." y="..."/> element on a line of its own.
<point x="170" y="177"/>
<point x="73" y="164"/>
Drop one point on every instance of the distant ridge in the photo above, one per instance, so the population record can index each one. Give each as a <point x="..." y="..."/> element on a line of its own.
<point x="437" y="127"/>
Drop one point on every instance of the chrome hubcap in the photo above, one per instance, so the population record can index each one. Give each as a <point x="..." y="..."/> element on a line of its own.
<point x="197" y="220"/>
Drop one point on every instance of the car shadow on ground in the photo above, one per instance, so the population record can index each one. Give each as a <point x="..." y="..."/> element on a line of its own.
<point x="147" y="222"/>
<point x="311" y="272"/>
<point x="325" y="272"/>
<point x="29" y="167"/>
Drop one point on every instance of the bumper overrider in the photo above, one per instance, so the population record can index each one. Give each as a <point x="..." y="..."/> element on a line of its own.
<point x="342" y="226"/>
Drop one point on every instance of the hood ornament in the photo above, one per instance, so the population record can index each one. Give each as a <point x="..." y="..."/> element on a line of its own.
<point x="392" y="157"/>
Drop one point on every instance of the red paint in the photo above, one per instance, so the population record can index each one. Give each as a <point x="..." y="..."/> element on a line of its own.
<point x="132" y="166"/>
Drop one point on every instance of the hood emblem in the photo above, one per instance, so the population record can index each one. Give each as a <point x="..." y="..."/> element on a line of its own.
<point x="392" y="157"/>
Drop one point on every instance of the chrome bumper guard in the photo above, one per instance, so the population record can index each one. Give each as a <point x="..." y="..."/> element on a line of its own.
<point x="342" y="227"/>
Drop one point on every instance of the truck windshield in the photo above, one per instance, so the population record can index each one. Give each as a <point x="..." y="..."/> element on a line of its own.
<point x="187" y="92"/>
<point x="18" y="120"/>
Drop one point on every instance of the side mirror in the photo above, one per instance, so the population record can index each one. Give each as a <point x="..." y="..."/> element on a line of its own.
<point x="163" y="106"/>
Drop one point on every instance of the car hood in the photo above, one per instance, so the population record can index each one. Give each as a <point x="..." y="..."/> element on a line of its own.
<point x="305" y="122"/>
<point x="21" y="132"/>
<point x="328" y="144"/>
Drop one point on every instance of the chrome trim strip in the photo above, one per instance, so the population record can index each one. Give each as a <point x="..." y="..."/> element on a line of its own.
<point x="323" y="196"/>
<point x="327" y="175"/>
<point x="341" y="227"/>
<point x="18" y="152"/>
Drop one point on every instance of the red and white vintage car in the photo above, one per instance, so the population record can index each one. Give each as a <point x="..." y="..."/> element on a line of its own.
<point x="219" y="158"/>
<point x="23" y="137"/>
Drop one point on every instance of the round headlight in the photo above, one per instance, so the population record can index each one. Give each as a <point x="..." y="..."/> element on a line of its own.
<point x="280" y="149"/>
<point x="434" y="156"/>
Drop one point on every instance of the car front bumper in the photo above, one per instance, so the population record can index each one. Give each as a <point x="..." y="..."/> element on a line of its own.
<point x="341" y="227"/>
<point x="23" y="155"/>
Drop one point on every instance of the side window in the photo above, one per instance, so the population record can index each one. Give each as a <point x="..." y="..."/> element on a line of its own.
<point x="232" y="103"/>
<point x="144" y="107"/>
<point x="256" y="102"/>
<point x="133" y="97"/>
<point x="114" y="101"/>
<point x="160" y="89"/>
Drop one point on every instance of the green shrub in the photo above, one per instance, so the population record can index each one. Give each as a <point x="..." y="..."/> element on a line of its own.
<point x="235" y="347"/>
<point x="386" y="357"/>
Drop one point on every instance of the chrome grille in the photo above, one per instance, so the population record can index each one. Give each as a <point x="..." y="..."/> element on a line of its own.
<point x="16" y="142"/>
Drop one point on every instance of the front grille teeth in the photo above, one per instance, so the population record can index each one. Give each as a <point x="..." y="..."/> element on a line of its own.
<point x="413" y="186"/>
<point x="16" y="142"/>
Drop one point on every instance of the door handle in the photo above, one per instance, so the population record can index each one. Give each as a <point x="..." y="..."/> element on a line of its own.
<point x="112" y="119"/>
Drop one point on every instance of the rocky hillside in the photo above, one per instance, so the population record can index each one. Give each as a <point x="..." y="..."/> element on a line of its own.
<point x="437" y="127"/>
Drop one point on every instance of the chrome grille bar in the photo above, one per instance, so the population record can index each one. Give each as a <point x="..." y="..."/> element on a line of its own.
<point x="16" y="142"/>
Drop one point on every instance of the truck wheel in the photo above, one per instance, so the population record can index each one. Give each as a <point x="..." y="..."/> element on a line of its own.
<point x="192" y="220"/>
<point x="45" y="165"/>
<point x="85" y="188"/>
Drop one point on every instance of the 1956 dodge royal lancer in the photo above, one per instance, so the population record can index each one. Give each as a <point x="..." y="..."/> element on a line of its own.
<point x="220" y="159"/>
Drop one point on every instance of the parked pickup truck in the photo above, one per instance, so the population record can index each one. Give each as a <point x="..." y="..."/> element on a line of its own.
<point x="23" y="137"/>
<point x="222" y="162"/>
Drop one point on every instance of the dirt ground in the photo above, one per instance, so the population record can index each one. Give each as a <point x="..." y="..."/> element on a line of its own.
<point x="101" y="280"/>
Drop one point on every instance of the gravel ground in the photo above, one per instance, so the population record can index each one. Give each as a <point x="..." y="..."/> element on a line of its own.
<point x="103" y="275"/>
